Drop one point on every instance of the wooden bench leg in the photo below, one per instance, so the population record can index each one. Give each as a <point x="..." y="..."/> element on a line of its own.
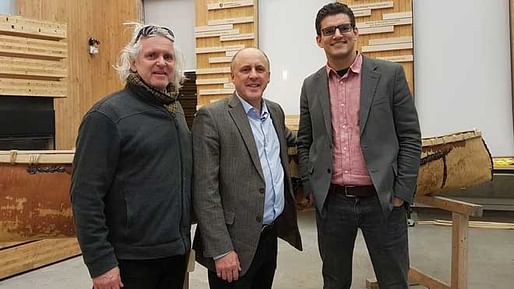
<point x="459" y="274"/>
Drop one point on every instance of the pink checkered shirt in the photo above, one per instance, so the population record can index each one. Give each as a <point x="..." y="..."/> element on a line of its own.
<point x="349" y="167"/>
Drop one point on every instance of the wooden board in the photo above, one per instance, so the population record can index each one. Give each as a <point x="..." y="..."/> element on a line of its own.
<point x="32" y="48"/>
<point x="229" y="4"/>
<point x="32" y="28"/>
<point x="236" y="20"/>
<point x="28" y="87"/>
<point x="33" y="68"/>
<point x="28" y="256"/>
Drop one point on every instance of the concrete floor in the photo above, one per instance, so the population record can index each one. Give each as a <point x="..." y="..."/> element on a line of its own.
<point x="491" y="260"/>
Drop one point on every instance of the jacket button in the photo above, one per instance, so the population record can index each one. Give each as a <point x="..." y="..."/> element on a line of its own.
<point x="329" y="171"/>
<point x="258" y="219"/>
<point x="261" y="190"/>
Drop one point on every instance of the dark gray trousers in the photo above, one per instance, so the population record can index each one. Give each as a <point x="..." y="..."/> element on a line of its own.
<point x="386" y="239"/>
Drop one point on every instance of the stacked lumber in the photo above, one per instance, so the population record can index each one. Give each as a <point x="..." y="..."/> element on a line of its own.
<point x="33" y="57"/>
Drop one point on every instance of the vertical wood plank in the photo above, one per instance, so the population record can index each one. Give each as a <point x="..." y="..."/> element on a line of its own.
<point x="459" y="271"/>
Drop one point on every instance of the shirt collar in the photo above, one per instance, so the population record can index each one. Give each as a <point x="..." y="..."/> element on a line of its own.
<point x="355" y="67"/>
<point x="251" y="111"/>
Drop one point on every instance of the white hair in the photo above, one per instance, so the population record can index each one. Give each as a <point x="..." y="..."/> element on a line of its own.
<point x="129" y="53"/>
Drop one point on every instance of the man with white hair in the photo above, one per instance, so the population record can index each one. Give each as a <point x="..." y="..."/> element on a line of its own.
<point x="132" y="172"/>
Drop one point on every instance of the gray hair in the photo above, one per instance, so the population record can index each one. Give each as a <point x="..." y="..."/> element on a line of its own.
<point x="133" y="47"/>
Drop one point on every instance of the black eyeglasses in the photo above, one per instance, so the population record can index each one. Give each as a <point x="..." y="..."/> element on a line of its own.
<point x="151" y="30"/>
<point x="343" y="28"/>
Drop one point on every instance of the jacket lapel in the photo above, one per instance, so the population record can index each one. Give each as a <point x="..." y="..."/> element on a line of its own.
<point x="369" y="82"/>
<point x="324" y="99"/>
<point x="236" y="111"/>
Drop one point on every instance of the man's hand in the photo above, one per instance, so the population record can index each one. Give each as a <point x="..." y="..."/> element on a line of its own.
<point x="228" y="267"/>
<point x="108" y="280"/>
<point x="397" y="202"/>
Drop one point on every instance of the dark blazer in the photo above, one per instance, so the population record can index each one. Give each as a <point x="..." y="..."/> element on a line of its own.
<point x="228" y="193"/>
<point x="390" y="136"/>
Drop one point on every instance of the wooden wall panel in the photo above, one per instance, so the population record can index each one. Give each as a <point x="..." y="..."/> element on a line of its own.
<point x="395" y="18"/>
<point x="90" y="77"/>
<point x="32" y="57"/>
<point x="239" y="21"/>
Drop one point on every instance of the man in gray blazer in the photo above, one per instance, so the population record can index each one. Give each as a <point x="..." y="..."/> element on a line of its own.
<point x="359" y="147"/>
<point x="242" y="192"/>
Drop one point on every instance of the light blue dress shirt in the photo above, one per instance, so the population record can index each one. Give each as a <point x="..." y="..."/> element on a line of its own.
<point x="268" y="148"/>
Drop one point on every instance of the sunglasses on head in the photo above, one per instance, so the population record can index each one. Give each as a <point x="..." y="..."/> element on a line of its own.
<point x="343" y="28"/>
<point x="149" y="30"/>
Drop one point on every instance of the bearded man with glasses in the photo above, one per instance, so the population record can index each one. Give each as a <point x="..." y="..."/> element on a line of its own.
<point x="359" y="146"/>
<point x="131" y="181"/>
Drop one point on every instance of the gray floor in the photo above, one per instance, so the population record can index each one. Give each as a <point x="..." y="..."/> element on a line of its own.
<point x="491" y="261"/>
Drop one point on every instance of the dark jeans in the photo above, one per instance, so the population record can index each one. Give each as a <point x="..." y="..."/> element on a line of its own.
<point x="386" y="240"/>
<point x="166" y="273"/>
<point x="262" y="270"/>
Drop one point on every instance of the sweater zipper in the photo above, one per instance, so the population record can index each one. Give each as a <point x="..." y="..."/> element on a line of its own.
<point x="174" y="119"/>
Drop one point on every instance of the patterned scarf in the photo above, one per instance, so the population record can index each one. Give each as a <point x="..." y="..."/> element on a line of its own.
<point x="168" y="97"/>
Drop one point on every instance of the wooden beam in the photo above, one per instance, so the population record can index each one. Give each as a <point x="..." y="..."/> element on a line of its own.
<point x="216" y="33"/>
<point x="390" y="40"/>
<point x="443" y="203"/>
<point x="15" y="25"/>
<point x="29" y="87"/>
<point x="32" y="48"/>
<point x="214" y="27"/>
<point x="212" y="70"/>
<point x="399" y="58"/>
<point x="32" y="255"/>
<point x="459" y="273"/>
<point x="418" y="277"/>
<point x="215" y="91"/>
<point x="243" y="36"/>
<point x="377" y="5"/>
<point x="387" y="47"/>
<point x="13" y="67"/>
<point x="236" y="20"/>
<point x="362" y="13"/>
<point x="376" y="30"/>
<point x="202" y="50"/>
<point x="229" y="5"/>
<point x="37" y="157"/>
<point x="223" y="59"/>
<point x="384" y="22"/>
<point x="211" y="81"/>
<point x="397" y="15"/>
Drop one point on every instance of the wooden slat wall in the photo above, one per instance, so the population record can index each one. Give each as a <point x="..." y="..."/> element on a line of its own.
<point x="90" y="77"/>
<point x="222" y="28"/>
<point x="32" y="57"/>
<point x="394" y="45"/>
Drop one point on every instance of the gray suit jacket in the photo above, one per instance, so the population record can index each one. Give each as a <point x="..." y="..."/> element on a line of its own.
<point x="389" y="133"/>
<point x="228" y="193"/>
